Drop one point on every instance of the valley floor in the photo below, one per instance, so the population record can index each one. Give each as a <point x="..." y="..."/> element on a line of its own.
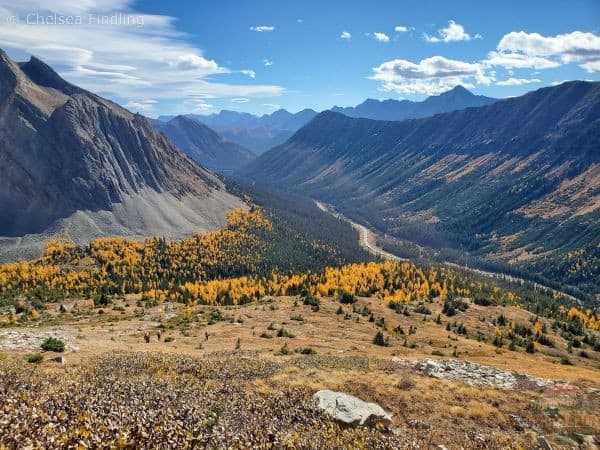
<point x="244" y="376"/>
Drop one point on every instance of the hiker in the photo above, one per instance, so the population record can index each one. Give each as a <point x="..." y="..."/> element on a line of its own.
<point x="206" y="335"/>
<point x="158" y="335"/>
<point x="147" y="337"/>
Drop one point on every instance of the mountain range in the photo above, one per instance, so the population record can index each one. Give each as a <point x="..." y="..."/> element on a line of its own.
<point x="452" y="100"/>
<point x="260" y="133"/>
<point x="203" y="144"/>
<point x="77" y="165"/>
<point x="516" y="181"/>
<point x="256" y="133"/>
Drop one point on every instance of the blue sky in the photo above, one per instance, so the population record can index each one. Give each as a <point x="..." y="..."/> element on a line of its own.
<point x="160" y="57"/>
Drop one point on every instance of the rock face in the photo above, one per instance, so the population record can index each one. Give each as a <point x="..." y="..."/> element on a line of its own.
<point x="474" y="374"/>
<point x="204" y="145"/>
<point x="350" y="410"/>
<point x="74" y="163"/>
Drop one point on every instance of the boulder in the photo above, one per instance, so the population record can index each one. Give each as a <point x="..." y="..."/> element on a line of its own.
<point x="350" y="410"/>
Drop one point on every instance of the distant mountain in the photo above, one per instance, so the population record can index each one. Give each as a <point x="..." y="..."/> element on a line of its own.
<point x="260" y="133"/>
<point x="516" y="181"/>
<point x="75" y="164"/>
<point x="257" y="133"/>
<point x="453" y="100"/>
<point x="204" y="145"/>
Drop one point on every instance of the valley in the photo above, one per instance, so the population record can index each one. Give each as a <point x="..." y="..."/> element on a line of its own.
<point x="318" y="225"/>
<point x="460" y="184"/>
<point x="368" y="240"/>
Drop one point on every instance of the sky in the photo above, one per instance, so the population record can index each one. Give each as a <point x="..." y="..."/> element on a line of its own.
<point x="199" y="56"/>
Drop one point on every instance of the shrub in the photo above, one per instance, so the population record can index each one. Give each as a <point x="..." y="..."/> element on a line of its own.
<point x="298" y="318"/>
<point x="285" y="333"/>
<point x="266" y="335"/>
<point x="34" y="358"/>
<point x="481" y="301"/>
<point x="284" y="350"/>
<point x="380" y="339"/>
<point x="53" y="345"/>
<point x="530" y="347"/>
<point x="308" y="351"/>
<point x="452" y="307"/>
<point x="422" y="309"/>
<point x="437" y="353"/>
<point x="565" y="361"/>
<point x="340" y="310"/>
<point x="406" y="383"/>
<point x="543" y="339"/>
<point x="346" y="298"/>
<point x="102" y="300"/>
<point x="169" y="339"/>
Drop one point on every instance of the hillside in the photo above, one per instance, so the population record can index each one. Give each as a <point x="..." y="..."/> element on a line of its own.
<point x="257" y="133"/>
<point x="475" y="365"/>
<point x="204" y="145"/>
<point x="75" y="164"/>
<point x="452" y="100"/>
<point x="515" y="182"/>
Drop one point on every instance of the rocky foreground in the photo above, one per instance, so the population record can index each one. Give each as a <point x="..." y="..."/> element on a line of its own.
<point x="238" y="400"/>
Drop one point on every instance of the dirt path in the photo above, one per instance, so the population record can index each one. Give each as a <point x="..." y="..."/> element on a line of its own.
<point x="368" y="241"/>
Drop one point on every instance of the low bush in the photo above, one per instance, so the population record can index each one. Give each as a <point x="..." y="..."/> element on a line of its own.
<point x="34" y="358"/>
<point x="53" y="345"/>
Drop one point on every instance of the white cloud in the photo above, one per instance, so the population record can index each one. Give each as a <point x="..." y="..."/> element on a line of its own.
<point x="453" y="32"/>
<point x="262" y="28"/>
<point x="346" y="35"/>
<point x="141" y="106"/>
<point x="592" y="66"/>
<point x="123" y="61"/>
<point x="240" y="100"/>
<point x="271" y="106"/>
<point x="521" y="49"/>
<point x="197" y="106"/>
<point x="511" y="60"/>
<point x="267" y="62"/>
<point x="517" y="81"/>
<point x="430" y="76"/>
<point x="381" y="37"/>
<point x="401" y="29"/>
<point x="300" y="20"/>
<point x="250" y="73"/>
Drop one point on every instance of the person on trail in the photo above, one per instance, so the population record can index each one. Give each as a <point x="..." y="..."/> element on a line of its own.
<point x="158" y="335"/>
<point x="206" y="335"/>
<point x="147" y="337"/>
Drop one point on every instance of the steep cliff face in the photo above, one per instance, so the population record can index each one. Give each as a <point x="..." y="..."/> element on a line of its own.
<point x="64" y="150"/>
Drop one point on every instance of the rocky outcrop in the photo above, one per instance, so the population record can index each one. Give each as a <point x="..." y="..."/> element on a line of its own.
<point x="350" y="410"/>
<point x="474" y="374"/>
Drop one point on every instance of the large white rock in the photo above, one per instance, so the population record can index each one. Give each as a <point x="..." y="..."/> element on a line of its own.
<point x="350" y="410"/>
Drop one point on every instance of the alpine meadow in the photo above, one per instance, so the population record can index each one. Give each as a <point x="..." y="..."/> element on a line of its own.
<point x="311" y="225"/>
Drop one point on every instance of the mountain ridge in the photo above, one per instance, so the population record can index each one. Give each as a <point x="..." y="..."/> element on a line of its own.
<point x="260" y="133"/>
<point x="65" y="151"/>
<point x="204" y="145"/>
<point x="455" y="99"/>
